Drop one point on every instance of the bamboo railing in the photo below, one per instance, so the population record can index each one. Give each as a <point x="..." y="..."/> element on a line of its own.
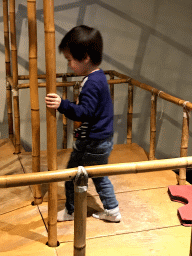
<point x="81" y="180"/>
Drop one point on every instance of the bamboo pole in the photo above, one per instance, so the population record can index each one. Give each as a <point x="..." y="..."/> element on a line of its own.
<point x="6" y="38"/>
<point x="68" y="84"/>
<point x="18" y="180"/>
<point x="130" y="114"/>
<point x="76" y="124"/>
<point x="64" y="117"/>
<point x="15" y="76"/>
<point x="8" y="68"/>
<point x="80" y="212"/>
<point x="190" y="252"/>
<point x="184" y="144"/>
<point x="9" y="111"/>
<point x="35" y="118"/>
<point x="153" y="126"/>
<point x="49" y="27"/>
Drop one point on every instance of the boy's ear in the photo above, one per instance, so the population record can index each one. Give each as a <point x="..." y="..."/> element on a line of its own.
<point x="87" y="59"/>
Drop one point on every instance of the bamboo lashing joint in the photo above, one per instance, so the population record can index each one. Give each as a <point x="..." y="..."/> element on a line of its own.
<point x="186" y="111"/>
<point x="15" y="92"/>
<point x="81" y="173"/>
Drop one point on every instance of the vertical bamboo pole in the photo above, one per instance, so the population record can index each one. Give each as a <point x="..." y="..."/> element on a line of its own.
<point x="6" y="38"/>
<point x="190" y="252"/>
<point x="130" y="114"/>
<point x="80" y="214"/>
<point x="49" y="27"/>
<point x="153" y="127"/>
<point x="15" y="76"/>
<point x="33" y="81"/>
<point x="184" y="144"/>
<point x="76" y="124"/>
<point x="8" y="67"/>
<point x="64" y="117"/>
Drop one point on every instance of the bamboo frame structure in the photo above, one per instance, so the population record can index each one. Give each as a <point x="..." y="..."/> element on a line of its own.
<point x="53" y="176"/>
<point x="49" y="28"/>
<point x="15" y="76"/>
<point x="35" y="117"/>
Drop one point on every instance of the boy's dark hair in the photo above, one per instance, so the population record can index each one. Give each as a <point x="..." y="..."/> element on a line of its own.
<point x="82" y="41"/>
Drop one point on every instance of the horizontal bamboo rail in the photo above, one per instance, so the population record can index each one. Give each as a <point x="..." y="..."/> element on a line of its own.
<point x="68" y="84"/>
<point x="17" y="180"/>
<point x="43" y="76"/>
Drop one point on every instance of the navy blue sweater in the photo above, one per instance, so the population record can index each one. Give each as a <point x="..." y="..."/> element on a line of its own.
<point x="95" y="106"/>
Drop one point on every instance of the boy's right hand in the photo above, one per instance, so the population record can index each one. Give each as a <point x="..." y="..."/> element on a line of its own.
<point x="53" y="100"/>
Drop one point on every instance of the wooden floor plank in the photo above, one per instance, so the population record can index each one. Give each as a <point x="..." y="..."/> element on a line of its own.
<point x="174" y="241"/>
<point x="22" y="232"/>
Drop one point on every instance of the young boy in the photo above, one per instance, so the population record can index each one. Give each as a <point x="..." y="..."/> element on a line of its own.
<point x="82" y="47"/>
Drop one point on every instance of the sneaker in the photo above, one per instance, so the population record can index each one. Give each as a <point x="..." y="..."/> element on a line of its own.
<point x="63" y="215"/>
<point x="112" y="215"/>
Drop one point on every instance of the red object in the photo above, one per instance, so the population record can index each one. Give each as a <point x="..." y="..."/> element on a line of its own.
<point x="183" y="194"/>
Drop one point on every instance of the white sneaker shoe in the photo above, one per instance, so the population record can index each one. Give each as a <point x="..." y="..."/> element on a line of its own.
<point x="63" y="215"/>
<point x="112" y="215"/>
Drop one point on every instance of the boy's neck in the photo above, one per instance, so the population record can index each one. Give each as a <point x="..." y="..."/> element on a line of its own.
<point x="92" y="69"/>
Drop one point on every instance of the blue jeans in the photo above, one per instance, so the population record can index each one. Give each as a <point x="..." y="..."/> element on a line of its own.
<point x="86" y="153"/>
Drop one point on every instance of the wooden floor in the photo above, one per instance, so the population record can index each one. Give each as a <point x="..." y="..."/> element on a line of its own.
<point x="149" y="225"/>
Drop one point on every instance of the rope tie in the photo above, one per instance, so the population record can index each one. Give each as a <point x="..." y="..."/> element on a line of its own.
<point x="159" y="93"/>
<point x="81" y="173"/>
<point x="186" y="111"/>
<point x="15" y="92"/>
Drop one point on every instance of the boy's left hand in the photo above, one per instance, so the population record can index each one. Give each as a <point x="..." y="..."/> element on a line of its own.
<point x="53" y="100"/>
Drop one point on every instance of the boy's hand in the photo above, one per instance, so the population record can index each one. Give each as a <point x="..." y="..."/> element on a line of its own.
<point x="53" y="100"/>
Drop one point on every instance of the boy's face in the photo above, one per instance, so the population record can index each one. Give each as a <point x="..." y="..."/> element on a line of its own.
<point x="78" y="67"/>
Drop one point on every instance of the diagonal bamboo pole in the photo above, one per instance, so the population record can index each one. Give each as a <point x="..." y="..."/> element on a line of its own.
<point x="49" y="27"/>
<point x="153" y="126"/>
<point x="33" y="80"/>
<point x="8" y="68"/>
<point x="184" y="144"/>
<point x="112" y="88"/>
<point x="130" y="114"/>
<point x="15" y="76"/>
